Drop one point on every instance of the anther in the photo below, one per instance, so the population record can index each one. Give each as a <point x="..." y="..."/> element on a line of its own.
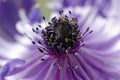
<point x="83" y="45"/>
<point x="40" y="50"/>
<point x="86" y="31"/>
<point x="66" y="16"/>
<point x="39" y="42"/>
<point x="33" y="30"/>
<point x="69" y="12"/>
<point x="39" y="26"/>
<point x="43" y="17"/>
<point x="60" y="12"/>
<point x="42" y="59"/>
<point x="66" y="39"/>
<point x="49" y="23"/>
<point x="90" y="32"/>
<point x="33" y="42"/>
<point x="53" y="19"/>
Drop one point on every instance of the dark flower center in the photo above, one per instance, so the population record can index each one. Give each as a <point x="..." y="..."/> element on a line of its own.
<point x="62" y="34"/>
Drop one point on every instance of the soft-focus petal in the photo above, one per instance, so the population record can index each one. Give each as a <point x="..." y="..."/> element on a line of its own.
<point x="8" y="18"/>
<point x="16" y="50"/>
<point x="105" y="8"/>
<point x="9" y="67"/>
<point x="73" y="3"/>
<point x="27" y="5"/>
<point x="8" y="31"/>
<point x="35" y="15"/>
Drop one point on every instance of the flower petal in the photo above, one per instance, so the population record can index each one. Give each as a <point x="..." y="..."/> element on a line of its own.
<point x="10" y="66"/>
<point x="27" y="5"/>
<point x="7" y="21"/>
<point x="35" y="15"/>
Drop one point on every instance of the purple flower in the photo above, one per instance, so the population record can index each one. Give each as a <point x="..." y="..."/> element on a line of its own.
<point x="68" y="50"/>
<point x="76" y="45"/>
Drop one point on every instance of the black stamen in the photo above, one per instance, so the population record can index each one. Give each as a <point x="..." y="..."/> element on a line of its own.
<point x="39" y="42"/>
<point x="33" y="30"/>
<point x="66" y="16"/>
<point x="83" y="44"/>
<point x="33" y="42"/>
<point x="39" y="26"/>
<point x="60" y="12"/>
<point x="42" y="59"/>
<point x="90" y="32"/>
<point x="40" y="50"/>
<point x="69" y="12"/>
<point x="87" y="29"/>
<point x="43" y="17"/>
<point x="54" y="19"/>
<point x="49" y="23"/>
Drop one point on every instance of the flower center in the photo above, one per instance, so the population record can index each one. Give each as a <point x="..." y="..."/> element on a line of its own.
<point x="62" y="34"/>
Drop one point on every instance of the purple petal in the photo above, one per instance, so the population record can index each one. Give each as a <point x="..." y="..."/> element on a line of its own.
<point x="106" y="45"/>
<point x="35" y="15"/>
<point x="8" y="18"/>
<point x="73" y="3"/>
<point x="36" y="68"/>
<point x="103" y="6"/>
<point x="10" y="66"/>
<point x="27" y="5"/>
<point x="105" y="67"/>
<point x="87" y="67"/>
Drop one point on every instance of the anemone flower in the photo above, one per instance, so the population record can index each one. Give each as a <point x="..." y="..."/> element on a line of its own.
<point x="70" y="48"/>
<point x="11" y="12"/>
